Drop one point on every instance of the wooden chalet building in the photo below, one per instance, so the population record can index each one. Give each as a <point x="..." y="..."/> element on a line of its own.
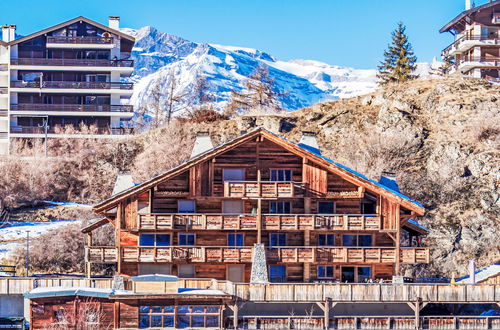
<point x="315" y="220"/>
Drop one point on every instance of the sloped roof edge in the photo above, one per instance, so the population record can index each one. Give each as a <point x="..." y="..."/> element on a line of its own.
<point x="417" y="207"/>
<point x="71" y="21"/>
<point x="465" y="13"/>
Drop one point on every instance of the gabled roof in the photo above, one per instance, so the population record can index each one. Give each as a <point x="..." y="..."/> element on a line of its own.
<point x="347" y="173"/>
<point x="482" y="274"/>
<point x="74" y="20"/>
<point x="96" y="224"/>
<point x="466" y="13"/>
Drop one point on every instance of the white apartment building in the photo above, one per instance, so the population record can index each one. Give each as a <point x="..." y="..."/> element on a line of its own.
<point x="68" y="75"/>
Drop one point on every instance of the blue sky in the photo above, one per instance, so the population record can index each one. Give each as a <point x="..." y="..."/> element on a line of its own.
<point x="347" y="33"/>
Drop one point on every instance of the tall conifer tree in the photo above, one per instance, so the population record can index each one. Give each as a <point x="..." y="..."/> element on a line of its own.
<point x="399" y="60"/>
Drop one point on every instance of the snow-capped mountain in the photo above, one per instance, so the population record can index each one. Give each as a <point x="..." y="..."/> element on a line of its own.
<point x="160" y="56"/>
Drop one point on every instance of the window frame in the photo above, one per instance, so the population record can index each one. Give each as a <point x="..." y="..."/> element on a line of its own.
<point x="326" y="201"/>
<point x="187" y="234"/>
<point x="326" y="241"/>
<point x="174" y="313"/>
<point x="356" y="272"/>
<point x="278" y="246"/>
<point x="236" y="234"/>
<point x="186" y="200"/>
<point x="277" y="169"/>
<point x="357" y="240"/>
<point x="326" y="269"/>
<point x="283" y="207"/>
<point x="155" y="241"/>
<point x="186" y="265"/>
<point x="234" y="168"/>
<point x="283" y="277"/>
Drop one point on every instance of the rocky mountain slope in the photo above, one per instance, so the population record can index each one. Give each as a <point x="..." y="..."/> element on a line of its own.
<point x="299" y="83"/>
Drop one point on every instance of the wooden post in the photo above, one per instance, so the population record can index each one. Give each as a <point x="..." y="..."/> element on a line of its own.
<point x="327" y="314"/>
<point x="259" y="220"/>
<point x="87" y="256"/>
<point x="397" y="217"/>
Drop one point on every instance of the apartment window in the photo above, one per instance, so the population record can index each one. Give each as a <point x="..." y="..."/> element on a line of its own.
<point x="235" y="240"/>
<point x="280" y="207"/>
<point x="325" y="271"/>
<point x="186" y="271"/>
<point x="277" y="273"/>
<point x="277" y="239"/>
<point x="152" y="240"/>
<point x="187" y="239"/>
<point x="233" y="174"/>
<point x="326" y="207"/>
<point x="184" y="316"/>
<point x="280" y="175"/>
<point x="357" y="240"/>
<point x="326" y="239"/>
<point x="186" y="206"/>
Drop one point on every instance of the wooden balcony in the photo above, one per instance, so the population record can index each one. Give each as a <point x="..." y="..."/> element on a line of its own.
<point x="197" y="221"/>
<point x="254" y="189"/>
<point x="101" y="254"/>
<point x="72" y="85"/>
<point x="321" y="221"/>
<point x="366" y="255"/>
<point x="72" y="62"/>
<point x="71" y="107"/>
<point x="187" y="254"/>
<point x="79" y="40"/>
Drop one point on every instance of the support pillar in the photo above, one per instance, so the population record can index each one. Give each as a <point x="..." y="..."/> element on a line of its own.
<point x="325" y="307"/>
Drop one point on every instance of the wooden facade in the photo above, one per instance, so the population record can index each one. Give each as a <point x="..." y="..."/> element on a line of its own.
<point x="318" y="220"/>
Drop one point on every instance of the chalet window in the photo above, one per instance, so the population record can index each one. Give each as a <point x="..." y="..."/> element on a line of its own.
<point x="354" y="274"/>
<point x="233" y="174"/>
<point x="232" y="207"/>
<point x="235" y="240"/>
<point x="280" y="207"/>
<point x="326" y="207"/>
<point x="280" y="175"/>
<point x="187" y="239"/>
<point x="326" y="239"/>
<point x="186" y="206"/>
<point x="154" y="240"/>
<point x="179" y="316"/>
<point x="277" y="273"/>
<point x="357" y="240"/>
<point x="325" y="271"/>
<point x="186" y="271"/>
<point x="369" y="207"/>
<point x="156" y="316"/>
<point x="277" y="239"/>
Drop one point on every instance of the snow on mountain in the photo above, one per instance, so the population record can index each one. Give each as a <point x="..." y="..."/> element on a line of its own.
<point x="160" y="56"/>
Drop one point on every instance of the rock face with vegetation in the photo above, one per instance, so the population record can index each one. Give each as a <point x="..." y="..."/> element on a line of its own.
<point x="441" y="137"/>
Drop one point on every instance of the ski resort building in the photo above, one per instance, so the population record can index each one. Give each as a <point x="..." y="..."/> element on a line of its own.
<point x="260" y="208"/>
<point x="475" y="51"/>
<point x="66" y="76"/>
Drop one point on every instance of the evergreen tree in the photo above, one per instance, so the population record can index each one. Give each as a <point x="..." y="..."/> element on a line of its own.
<point x="399" y="60"/>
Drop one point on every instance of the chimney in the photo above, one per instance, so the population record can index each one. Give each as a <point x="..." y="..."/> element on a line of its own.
<point x="308" y="141"/>
<point x="468" y="4"/>
<point x="202" y="144"/>
<point x="123" y="182"/>
<point x="12" y="32"/>
<point x="388" y="179"/>
<point x="472" y="271"/>
<point x="5" y="33"/>
<point x="114" y="22"/>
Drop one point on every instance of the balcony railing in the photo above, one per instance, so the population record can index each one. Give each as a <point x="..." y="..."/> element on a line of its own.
<point x="483" y="39"/>
<point x="267" y="189"/>
<point x="71" y="85"/>
<point x="79" y="40"/>
<point x="197" y="221"/>
<point x="368" y="255"/>
<point x="71" y="107"/>
<point x="72" y="62"/>
<point x="77" y="131"/>
<point x="321" y="221"/>
<point x="101" y="254"/>
<point x="187" y="254"/>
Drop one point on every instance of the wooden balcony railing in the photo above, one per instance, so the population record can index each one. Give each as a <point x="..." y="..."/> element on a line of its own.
<point x="72" y="85"/>
<point x="79" y="40"/>
<point x="368" y="255"/>
<point x="187" y="254"/>
<point x="71" y="107"/>
<point x="197" y="221"/>
<point x="321" y="221"/>
<point x="254" y="189"/>
<point x="72" y="62"/>
<point x="101" y="254"/>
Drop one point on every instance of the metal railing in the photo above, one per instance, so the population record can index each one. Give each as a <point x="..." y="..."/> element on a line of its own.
<point x="79" y="40"/>
<point x="493" y="40"/>
<point x="61" y="130"/>
<point x="72" y="85"/>
<point x="71" y="107"/>
<point x="73" y="62"/>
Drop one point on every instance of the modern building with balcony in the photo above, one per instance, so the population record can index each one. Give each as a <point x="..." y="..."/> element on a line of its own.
<point x="56" y="81"/>
<point x="475" y="50"/>
<point x="261" y="208"/>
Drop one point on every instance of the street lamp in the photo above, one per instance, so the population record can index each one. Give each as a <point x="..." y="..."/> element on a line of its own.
<point x="27" y="252"/>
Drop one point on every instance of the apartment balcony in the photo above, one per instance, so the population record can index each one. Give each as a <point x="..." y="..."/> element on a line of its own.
<point x="267" y="189"/>
<point x="365" y="255"/>
<point x="70" y="109"/>
<point x="59" y="131"/>
<point x="72" y="64"/>
<point x="465" y="43"/>
<point x="469" y="63"/>
<point x="80" y="42"/>
<point x="72" y="87"/>
<point x="198" y="221"/>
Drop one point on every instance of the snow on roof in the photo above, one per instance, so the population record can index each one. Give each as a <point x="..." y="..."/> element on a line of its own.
<point x="210" y="292"/>
<point x="389" y="182"/>
<point x="482" y="274"/>
<point x="155" y="277"/>
<point x="60" y="291"/>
